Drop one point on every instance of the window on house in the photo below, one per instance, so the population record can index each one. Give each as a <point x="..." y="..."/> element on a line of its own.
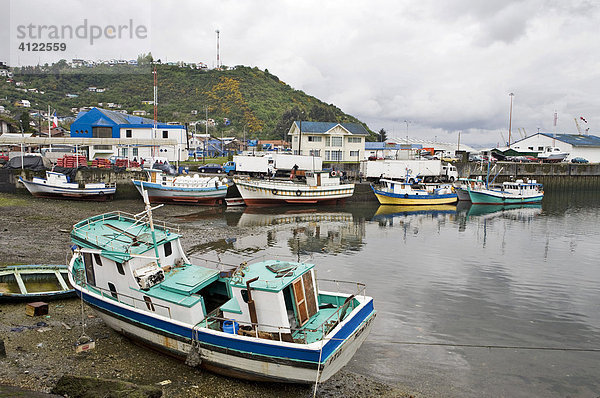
<point x="101" y="132"/>
<point x="336" y="141"/>
<point x="165" y="134"/>
<point x="354" y="154"/>
<point x="336" y="156"/>
<point x="296" y="139"/>
<point x="135" y="152"/>
<point x="149" y="303"/>
<point x="113" y="290"/>
<point x="327" y="141"/>
<point x="168" y="249"/>
<point x="124" y="152"/>
<point x="315" y="152"/>
<point x="128" y="133"/>
<point x="98" y="259"/>
<point x="354" y="140"/>
<point x="120" y="268"/>
<point x="540" y="148"/>
<point x="314" y="138"/>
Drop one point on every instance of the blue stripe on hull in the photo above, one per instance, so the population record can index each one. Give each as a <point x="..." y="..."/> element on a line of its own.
<point x="255" y="348"/>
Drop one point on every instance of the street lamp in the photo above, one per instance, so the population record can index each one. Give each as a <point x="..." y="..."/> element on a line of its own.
<point x="407" y="121"/>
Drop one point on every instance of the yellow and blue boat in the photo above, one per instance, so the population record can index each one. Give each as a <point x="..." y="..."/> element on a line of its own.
<point x="404" y="193"/>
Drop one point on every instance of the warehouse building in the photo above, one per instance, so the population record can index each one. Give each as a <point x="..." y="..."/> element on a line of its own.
<point x="576" y="145"/>
<point x="102" y="123"/>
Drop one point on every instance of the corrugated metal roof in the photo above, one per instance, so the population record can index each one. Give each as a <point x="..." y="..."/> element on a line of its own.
<point x="323" y="127"/>
<point x="576" y="139"/>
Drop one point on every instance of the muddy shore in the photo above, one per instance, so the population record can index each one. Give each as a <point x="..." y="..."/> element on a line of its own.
<point x="39" y="350"/>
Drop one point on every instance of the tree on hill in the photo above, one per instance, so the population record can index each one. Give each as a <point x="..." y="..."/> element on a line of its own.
<point x="24" y="121"/>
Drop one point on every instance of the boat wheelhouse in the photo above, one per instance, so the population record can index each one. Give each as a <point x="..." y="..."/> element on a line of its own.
<point x="265" y="321"/>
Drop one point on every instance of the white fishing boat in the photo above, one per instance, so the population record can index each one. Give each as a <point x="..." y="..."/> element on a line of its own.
<point x="188" y="189"/>
<point x="320" y="187"/>
<point x="463" y="185"/>
<point x="266" y="321"/>
<point x="552" y="154"/>
<point x="57" y="185"/>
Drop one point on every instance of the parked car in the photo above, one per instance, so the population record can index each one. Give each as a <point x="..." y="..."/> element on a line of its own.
<point x="210" y="168"/>
<point x="579" y="160"/>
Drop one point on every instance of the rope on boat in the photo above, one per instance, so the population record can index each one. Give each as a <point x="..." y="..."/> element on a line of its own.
<point x="318" y="369"/>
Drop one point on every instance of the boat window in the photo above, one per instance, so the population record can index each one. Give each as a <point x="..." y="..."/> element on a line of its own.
<point x="149" y="303"/>
<point x="120" y="268"/>
<point x="89" y="269"/>
<point x="113" y="290"/>
<point x="97" y="259"/>
<point x="168" y="249"/>
<point x="244" y="293"/>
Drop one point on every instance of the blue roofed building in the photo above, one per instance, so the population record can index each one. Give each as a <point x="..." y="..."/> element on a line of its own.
<point x="334" y="142"/>
<point x="577" y="145"/>
<point x="102" y="123"/>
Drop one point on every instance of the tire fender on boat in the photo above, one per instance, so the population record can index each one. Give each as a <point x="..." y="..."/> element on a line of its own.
<point x="298" y="192"/>
<point x="274" y="191"/>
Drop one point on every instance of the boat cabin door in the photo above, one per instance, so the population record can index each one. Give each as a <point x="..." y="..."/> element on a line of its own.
<point x="304" y="297"/>
<point x="318" y="179"/>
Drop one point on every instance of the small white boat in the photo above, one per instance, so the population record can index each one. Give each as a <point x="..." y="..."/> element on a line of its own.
<point x="238" y="201"/>
<point x="321" y="187"/>
<point x="463" y="185"/>
<point x="188" y="189"/>
<point x="57" y="185"/>
<point x="552" y="154"/>
<point x="266" y="321"/>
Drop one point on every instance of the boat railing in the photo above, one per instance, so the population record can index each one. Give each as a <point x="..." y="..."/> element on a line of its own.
<point x="131" y="301"/>
<point x="116" y="215"/>
<point x="361" y="288"/>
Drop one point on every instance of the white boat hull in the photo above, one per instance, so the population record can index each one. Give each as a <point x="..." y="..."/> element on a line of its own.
<point x="39" y="189"/>
<point x="265" y="192"/>
<point x="201" y="196"/>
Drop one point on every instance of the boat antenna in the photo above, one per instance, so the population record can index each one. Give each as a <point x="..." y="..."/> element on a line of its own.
<point x="149" y="213"/>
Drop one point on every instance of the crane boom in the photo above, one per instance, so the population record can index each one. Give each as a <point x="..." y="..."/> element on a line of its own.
<point x="578" y="128"/>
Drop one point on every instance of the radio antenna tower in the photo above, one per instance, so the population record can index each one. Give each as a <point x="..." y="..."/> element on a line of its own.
<point x="218" y="64"/>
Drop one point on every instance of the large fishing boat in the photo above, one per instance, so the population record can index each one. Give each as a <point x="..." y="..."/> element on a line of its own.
<point x="509" y="192"/>
<point x="320" y="187"/>
<point x="266" y="321"/>
<point x="188" y="189"/>
<point x="391" y="192"/>
<point x="57" y="185"/>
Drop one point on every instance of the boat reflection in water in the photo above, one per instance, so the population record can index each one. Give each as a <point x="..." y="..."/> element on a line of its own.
<point x="514" y="212"/>
<point x="386" y="214"/>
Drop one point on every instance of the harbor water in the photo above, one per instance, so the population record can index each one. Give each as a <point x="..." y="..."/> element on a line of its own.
<point x="472" y="300"/>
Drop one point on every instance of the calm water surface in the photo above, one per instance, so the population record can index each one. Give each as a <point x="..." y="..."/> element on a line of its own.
<point x="453" y="276"/>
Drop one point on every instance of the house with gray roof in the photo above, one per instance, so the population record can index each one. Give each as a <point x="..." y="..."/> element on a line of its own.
<point x="577" y="145"/>
<point x="334" y="142"/>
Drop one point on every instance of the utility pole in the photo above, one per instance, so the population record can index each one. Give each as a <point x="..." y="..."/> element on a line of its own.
<point x="155" y="75"/>
<point x="510" y="118"/>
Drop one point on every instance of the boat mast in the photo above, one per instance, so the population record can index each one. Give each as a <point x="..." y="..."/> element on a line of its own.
<point x="149" y="214"/>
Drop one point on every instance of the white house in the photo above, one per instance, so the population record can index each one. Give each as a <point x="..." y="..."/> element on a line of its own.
<point x="334" y="142"/>
<point x="577" y="145"/>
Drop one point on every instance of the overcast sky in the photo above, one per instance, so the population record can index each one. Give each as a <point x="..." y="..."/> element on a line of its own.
<point x="443" y="66"/>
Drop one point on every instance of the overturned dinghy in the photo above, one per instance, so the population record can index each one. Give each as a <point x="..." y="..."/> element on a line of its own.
<point x="264" y="321"/>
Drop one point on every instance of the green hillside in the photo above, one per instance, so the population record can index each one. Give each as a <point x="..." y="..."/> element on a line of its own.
<point x="253" y="100"/>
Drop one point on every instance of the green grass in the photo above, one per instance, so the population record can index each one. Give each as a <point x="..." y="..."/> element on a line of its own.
<point x="11" y="201"/>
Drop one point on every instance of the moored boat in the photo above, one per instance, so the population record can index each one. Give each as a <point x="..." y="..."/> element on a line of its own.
<point x="463" y="185"/>
<point x="552" y="154"/>
<point x="392" y="192"/>
<point x="320" y="187"/>
<point x="188" y="189"/>
<point x="57" y="185"/>
<point x="509" y="192"/>
<point x="34" y="283"/>
<point x="266" y="321"/>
